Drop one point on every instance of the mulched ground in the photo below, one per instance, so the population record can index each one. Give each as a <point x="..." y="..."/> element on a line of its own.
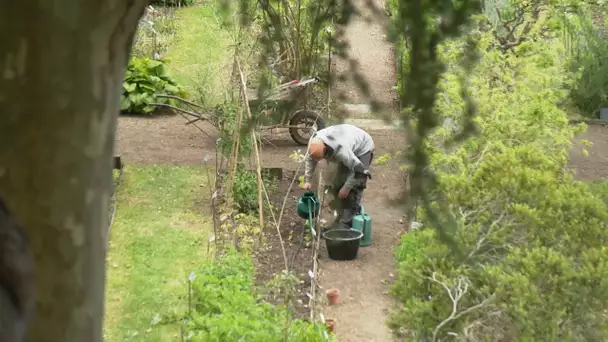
<point x="269" y="260"/>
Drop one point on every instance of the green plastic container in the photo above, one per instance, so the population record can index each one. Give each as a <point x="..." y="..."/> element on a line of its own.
<point x="363" y="223"/>
<point x="308" y="205"/>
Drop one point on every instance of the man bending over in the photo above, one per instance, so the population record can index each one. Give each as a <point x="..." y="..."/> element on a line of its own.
<point x="350" y="151"/>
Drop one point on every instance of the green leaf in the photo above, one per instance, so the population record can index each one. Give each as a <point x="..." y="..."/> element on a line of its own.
<point x="161" y="71"/>
<point x="147" y="87"/>
<point x="147" y="99"/>
<point x="141" y="79"/>
<point x="171" y="89"/>
<point x="129" y="87"/>
<point x="148" y="109"/>
<point x="134" y="98"/>
<point x="154" y="63"/>
<point x="125" y="103"/>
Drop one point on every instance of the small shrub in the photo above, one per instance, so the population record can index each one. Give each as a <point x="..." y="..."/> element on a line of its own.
<point x="225" y="306"/>
<point x="530" y="262"/>
<point x="144" y="79"/>
<point x="588" y="49"/>
<point x="600" y="189"/>
<point x="225" y="118"/>
<point x="534" y="261"/>
<point x="246" y="189"/>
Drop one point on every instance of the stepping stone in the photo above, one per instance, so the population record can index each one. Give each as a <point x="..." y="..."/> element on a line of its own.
<point x="362" y="107"/>
<point x="373" y="124"/>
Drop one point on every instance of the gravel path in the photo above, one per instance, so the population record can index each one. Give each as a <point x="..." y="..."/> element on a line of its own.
<point x="375" y="56"/>
<point x="363" y="283"/>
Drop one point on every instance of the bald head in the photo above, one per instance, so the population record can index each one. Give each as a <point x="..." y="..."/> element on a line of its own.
<point x="316" y="149"/>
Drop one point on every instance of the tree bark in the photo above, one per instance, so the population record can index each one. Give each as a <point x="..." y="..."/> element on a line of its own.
<point x="61" y="69"/>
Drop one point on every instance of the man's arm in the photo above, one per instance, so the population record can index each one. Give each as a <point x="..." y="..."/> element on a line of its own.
<point x="350" y="160"/>
<point x="309" y="168"/>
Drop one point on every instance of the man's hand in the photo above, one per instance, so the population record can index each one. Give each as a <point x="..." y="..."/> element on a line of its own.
<point x="344" y="192"/>
<point x="307" y="186"/>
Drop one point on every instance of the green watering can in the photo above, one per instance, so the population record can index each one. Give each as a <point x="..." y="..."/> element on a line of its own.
<point x="363" y="223"/>
<point x="308" y="205"/>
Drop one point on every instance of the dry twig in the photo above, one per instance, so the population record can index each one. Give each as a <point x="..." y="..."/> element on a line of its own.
<point x="315" y="254"/>
<point x="483" y="236"/>
<point x="455" y="294"/>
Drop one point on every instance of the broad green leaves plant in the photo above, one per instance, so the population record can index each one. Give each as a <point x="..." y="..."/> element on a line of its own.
<point x="226" y="307"/>
<point x="144" y="79"/>
<point x="245" y="190"/>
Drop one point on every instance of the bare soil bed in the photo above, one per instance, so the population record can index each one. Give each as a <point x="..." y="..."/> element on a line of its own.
<point x="269" y="261"/>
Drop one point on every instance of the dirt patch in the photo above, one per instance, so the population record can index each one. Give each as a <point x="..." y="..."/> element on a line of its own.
<point x="375" y="56"/>
<point x="594" y="165"/>
<point x="162" y="140"/>
<point x="364" y="304"/>
<point x="363" y="283"/>
<point x="168" y="140"/>
<point x="269" y="262"/>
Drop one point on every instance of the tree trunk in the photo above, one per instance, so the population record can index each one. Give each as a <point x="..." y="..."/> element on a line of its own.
<point x="61" y="70"/>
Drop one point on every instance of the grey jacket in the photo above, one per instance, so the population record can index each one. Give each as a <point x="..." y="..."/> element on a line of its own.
<point x="346" y="144"/>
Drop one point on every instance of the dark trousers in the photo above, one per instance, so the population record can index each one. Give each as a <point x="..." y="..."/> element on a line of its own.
<point x="351" y="205"/>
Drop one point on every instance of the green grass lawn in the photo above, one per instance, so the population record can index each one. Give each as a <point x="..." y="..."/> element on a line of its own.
<point x="160" y="235"/>
<point x="201" y="56"/>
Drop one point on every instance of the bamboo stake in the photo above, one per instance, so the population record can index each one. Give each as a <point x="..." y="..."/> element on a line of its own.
<point x="236" y="144"/>
<point x="278" y="226"/>
<point x="317" y="242"/>
<point x="315" y="254"/>
<point x="255" y="146"/>
<point x="329" y="78"/>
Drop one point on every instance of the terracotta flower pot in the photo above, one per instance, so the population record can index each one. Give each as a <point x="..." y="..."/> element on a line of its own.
<point x="332" y="296"/>
<point x="330" y="323"/>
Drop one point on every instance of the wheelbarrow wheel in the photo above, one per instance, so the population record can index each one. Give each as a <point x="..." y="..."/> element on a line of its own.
<point x="308" y="123"/>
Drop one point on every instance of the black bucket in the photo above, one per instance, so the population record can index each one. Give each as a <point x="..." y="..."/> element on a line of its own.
<point x="342" y="244"/>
